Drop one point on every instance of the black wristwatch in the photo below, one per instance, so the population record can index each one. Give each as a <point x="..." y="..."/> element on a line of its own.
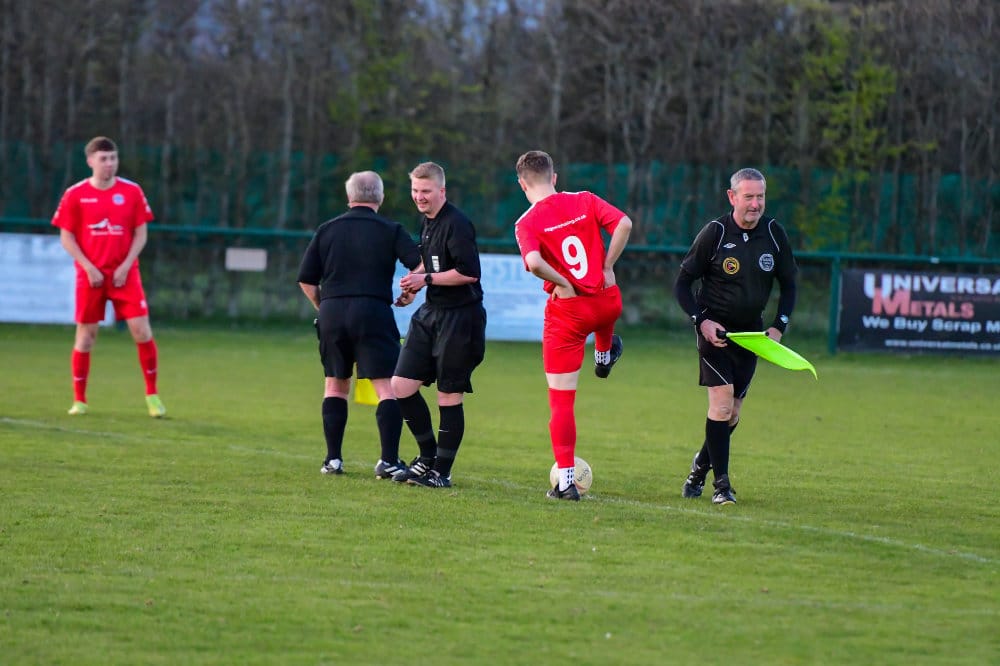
<point x="427" y="279"/>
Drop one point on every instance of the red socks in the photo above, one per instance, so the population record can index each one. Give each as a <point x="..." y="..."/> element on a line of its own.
<point x="80" y="366"/>
<point x="562" y="426"/>
<point x="147" y="359"/>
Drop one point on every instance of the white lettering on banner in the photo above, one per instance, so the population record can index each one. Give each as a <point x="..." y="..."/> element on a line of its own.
<point x="956" y="326"/>
<point x="874" y="322"/>
<point x="904" y="324"/>
<point x="993" y="326"/>
<point x="944" y="284"/>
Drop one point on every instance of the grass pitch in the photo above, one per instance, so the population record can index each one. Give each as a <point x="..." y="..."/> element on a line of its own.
<point x="866" y="532"/>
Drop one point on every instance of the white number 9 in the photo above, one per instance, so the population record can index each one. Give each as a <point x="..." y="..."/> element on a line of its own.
<point x="575" y="256"/>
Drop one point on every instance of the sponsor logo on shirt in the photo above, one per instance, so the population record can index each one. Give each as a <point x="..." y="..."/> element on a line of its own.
<point x="436" y="263"/>
<point x="565" y="224"/>
<point x="766" y="263"/>
<point x="105" y="228"/>
<point x="731" y="265"/>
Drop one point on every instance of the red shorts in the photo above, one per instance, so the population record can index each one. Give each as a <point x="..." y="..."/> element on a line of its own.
<point x="129" y="300"/>
<point x="568" y="322"/>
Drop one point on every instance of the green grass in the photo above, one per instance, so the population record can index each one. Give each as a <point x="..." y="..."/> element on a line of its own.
<point x="867" y="529"/>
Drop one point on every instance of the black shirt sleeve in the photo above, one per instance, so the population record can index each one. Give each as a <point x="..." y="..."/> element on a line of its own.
<point x="683" y="292"/>
<point x="311" y="268"/>
<point x="407" y="250"/>
<point x="786" y="274"/>
<point x="463" y="250"/>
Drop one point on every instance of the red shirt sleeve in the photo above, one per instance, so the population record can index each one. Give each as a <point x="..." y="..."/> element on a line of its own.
<point x="67" y="214"/>
<point x="607" y="216"/>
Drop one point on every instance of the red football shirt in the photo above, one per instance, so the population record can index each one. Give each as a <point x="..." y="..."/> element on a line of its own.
<point x="566" y="229"/>
<point x="103" y="221"/>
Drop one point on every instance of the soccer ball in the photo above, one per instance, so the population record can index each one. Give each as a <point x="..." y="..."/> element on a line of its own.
<point x="582" y="475"/>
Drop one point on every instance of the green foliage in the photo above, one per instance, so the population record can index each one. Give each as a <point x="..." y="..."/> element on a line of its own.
<point x="848" y="92"/>
<point x="864" y="533"/>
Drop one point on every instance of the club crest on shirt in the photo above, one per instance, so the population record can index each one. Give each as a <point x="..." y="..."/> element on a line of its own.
<point x="766" y="263"/>
<point x="731" y="265"/>
<point x="118" y="199"/>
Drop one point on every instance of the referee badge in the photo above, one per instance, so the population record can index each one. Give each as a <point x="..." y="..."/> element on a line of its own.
<point x="731" y="265"/>
<point x="766" y="263"/>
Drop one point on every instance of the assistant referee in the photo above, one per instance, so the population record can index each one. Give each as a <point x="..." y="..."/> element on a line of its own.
<point x="737" y="258"/>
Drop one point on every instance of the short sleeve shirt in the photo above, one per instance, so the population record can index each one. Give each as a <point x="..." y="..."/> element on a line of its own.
<point x="355" y="254"/>
<point x="103" y="221"/>
<point x="449" y="241"/>
<point x="565" y="228"/>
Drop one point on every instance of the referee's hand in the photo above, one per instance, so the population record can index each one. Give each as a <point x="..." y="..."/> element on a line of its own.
<point x="710" y="331"/>
<point x="405" y="298"/>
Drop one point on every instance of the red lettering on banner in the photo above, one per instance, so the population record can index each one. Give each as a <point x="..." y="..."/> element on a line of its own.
<point x="900" y="303"/>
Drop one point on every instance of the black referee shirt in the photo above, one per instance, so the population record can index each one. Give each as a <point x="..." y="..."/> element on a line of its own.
<point x="355" y="254"/>
<point x="449" y="241"/>
<point x="737" y="268"/>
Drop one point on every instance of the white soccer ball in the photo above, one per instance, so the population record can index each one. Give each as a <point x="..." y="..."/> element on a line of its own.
<point x="583" y="475"/>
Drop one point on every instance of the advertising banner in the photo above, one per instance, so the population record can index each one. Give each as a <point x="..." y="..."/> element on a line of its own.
<point x="885" y="310"/>
<point x="513" y="298"/>
<point x="37" y="279"/>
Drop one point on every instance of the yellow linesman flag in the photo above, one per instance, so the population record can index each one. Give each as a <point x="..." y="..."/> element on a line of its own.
<point x="771" y="350"/>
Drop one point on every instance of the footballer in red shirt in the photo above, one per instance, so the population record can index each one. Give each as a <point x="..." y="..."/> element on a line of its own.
<point x="560" y="241"/>
<point x="102" y="224"/>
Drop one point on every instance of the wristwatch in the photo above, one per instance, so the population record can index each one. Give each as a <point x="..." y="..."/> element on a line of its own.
<point x="427" y="279"/>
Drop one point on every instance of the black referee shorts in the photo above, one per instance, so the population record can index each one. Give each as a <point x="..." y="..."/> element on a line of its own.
<point x="361" y="330"/>
<point x="444" y="345"/>
<point x="731" y="364"/>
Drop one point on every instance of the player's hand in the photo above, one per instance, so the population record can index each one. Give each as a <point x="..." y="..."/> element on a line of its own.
<point x="94" y="276"/>
<point x="609" y="278"/>
<point x="710" y="331"/>
<point x="564" y="292"/>
<point x="118" y="277"/>
<point x="412" y="282"/>
<point x="773" y="333"/>
<point x="405" y="298"/>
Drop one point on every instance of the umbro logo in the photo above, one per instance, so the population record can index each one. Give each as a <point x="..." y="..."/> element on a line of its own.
<point x="729" y="246"/>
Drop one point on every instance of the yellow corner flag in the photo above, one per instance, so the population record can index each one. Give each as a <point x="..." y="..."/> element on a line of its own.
<point x="771" y="350"/>
<point x="364" y="392"/>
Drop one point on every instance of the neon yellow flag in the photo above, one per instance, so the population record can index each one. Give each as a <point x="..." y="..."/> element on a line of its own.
<point x="771" y="350"/>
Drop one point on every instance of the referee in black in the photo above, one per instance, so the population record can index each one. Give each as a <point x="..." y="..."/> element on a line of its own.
<point x="737" y="257"/>
<point x="447" y="335"/>
<point x="347" y="273"/>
